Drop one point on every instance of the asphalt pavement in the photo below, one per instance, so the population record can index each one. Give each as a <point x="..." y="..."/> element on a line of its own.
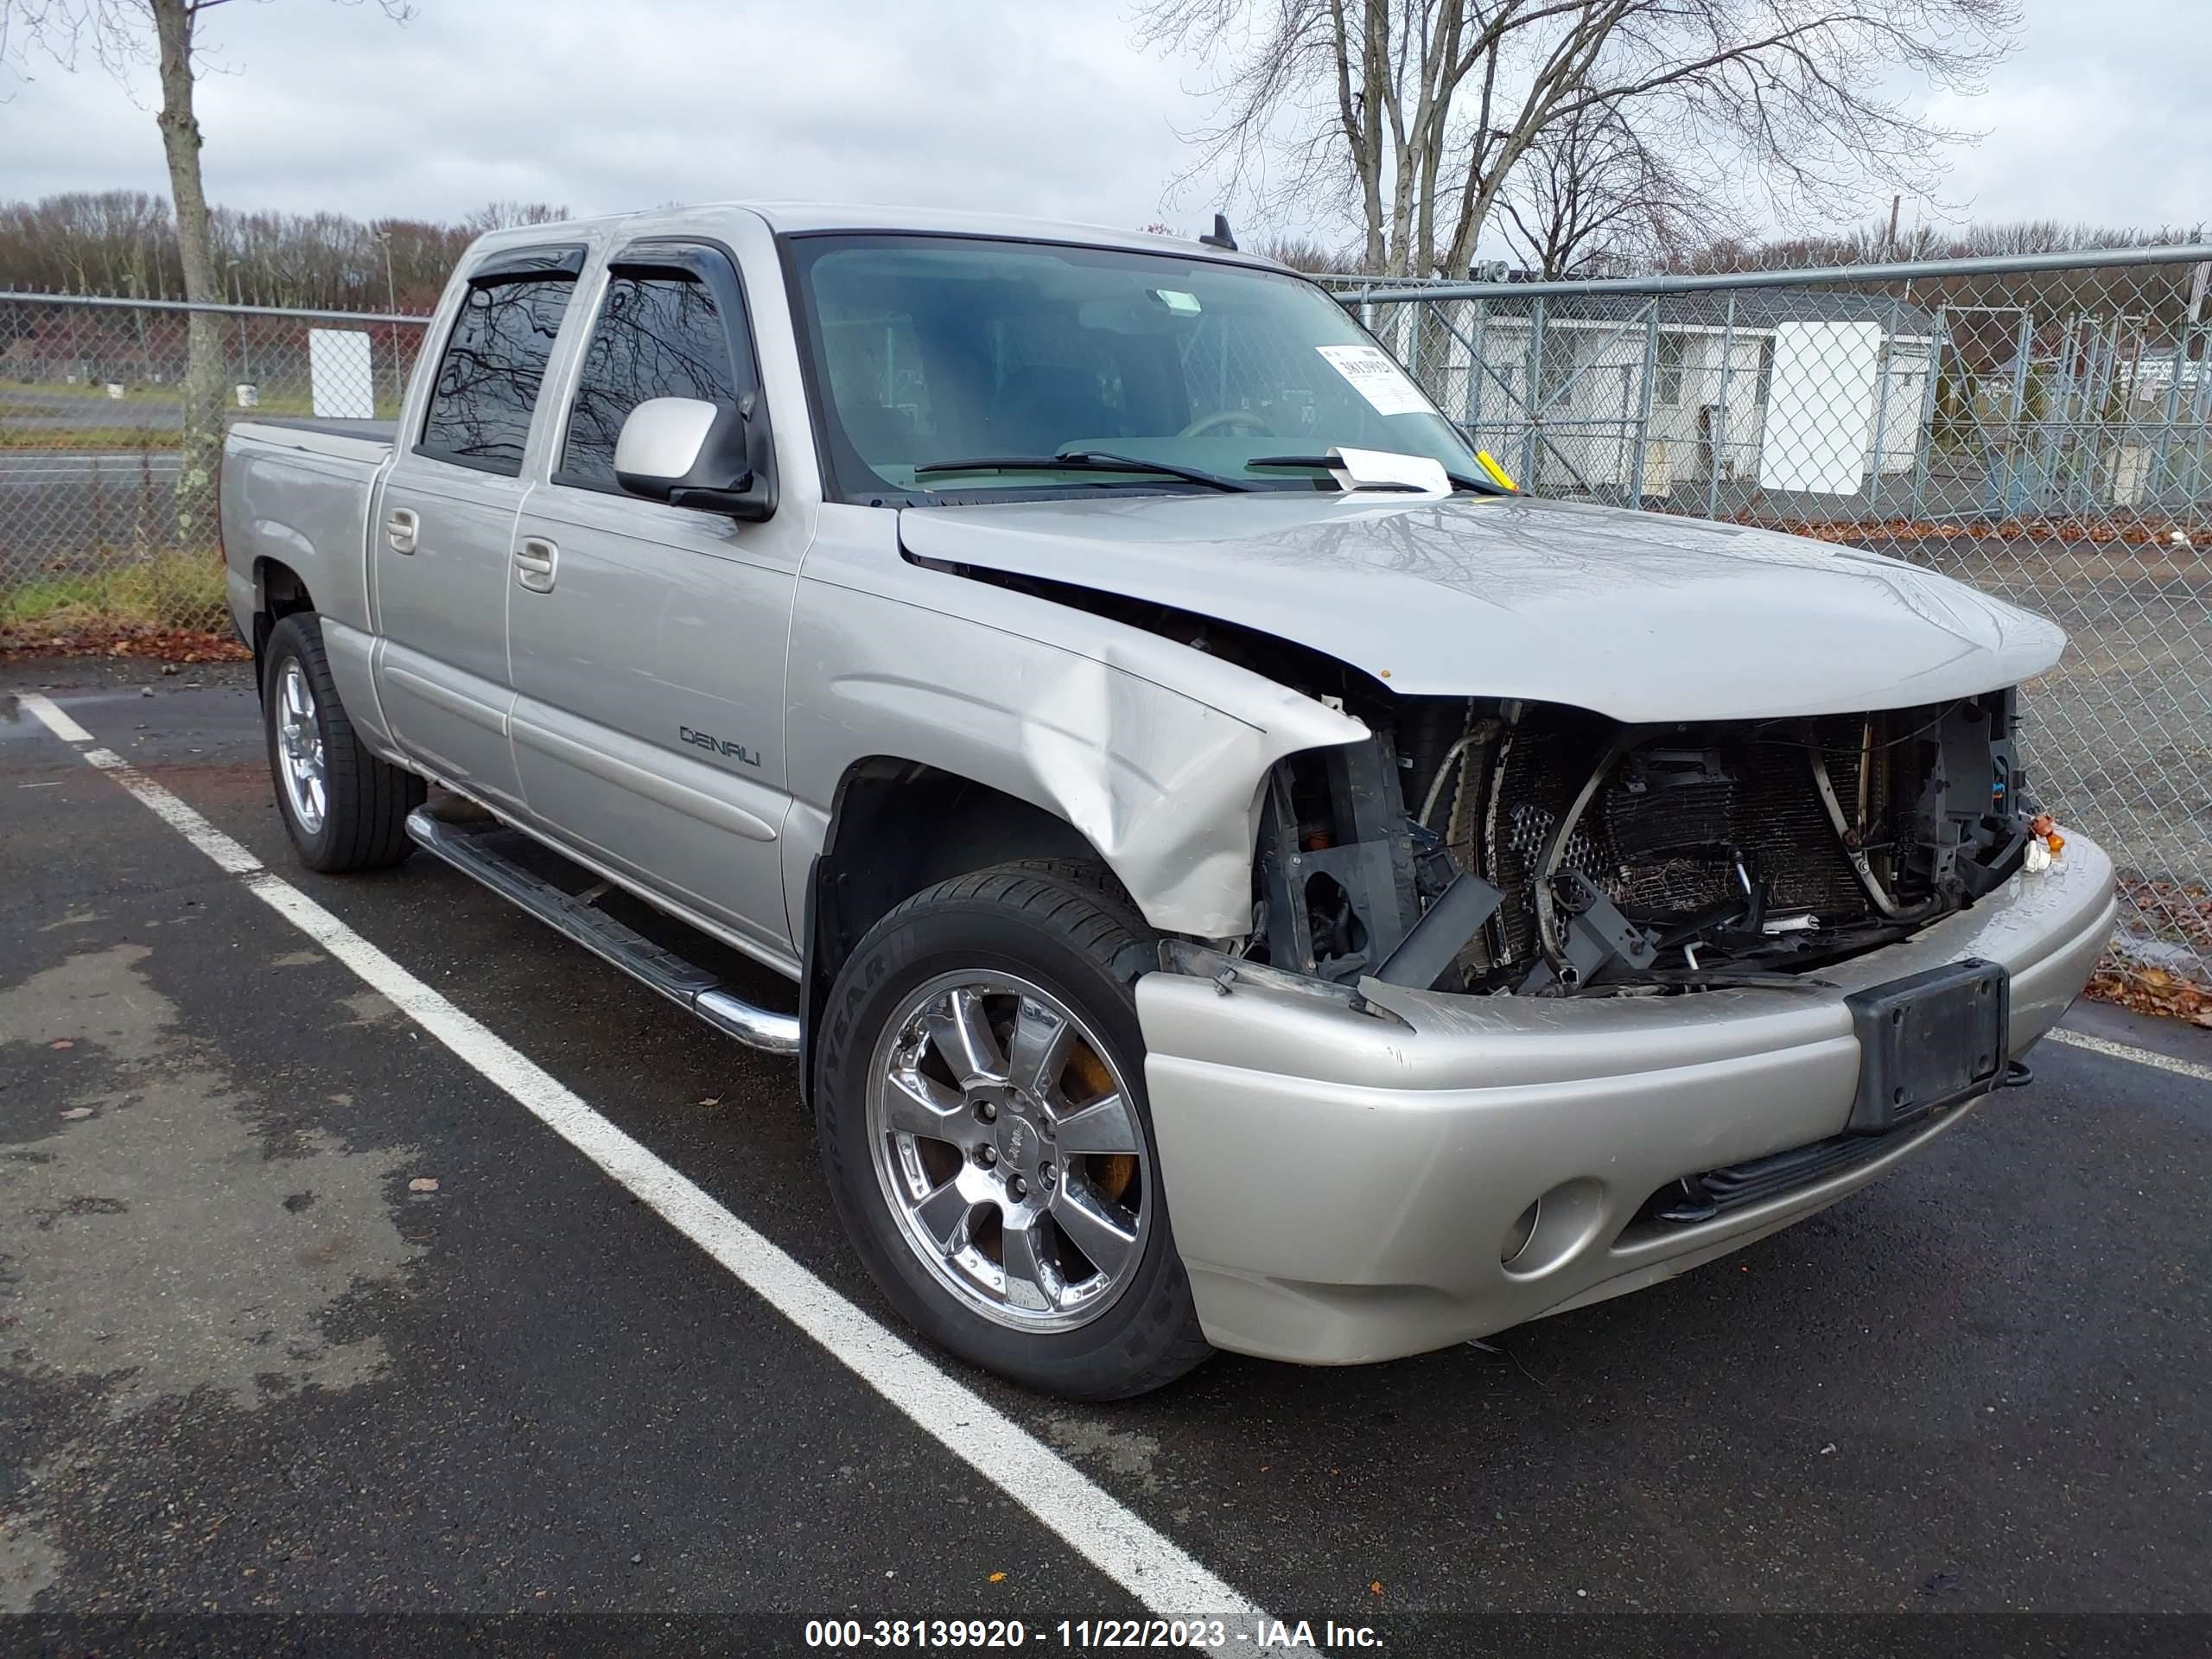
<point x="306" y="1325"/>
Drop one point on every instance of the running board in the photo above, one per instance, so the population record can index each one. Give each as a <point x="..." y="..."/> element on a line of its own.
<point x="474" y="850"/>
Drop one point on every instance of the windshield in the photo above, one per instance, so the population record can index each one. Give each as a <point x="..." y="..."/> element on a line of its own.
<point x="930" y="353"/>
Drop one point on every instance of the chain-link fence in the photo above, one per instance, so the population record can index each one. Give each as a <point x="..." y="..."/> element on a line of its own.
<point x="2039" y="427"/>
<point x="107" y="490"/>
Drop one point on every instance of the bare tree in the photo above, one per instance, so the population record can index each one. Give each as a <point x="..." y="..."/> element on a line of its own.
<point x="1304" y="253"/>
<point x="1415" y="114"/>
<point x="505" y="215"/>
<point x="1595" y="197"/>
<point x="116" y="32"/>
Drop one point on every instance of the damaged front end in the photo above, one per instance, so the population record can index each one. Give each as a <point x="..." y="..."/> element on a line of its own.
<point x="1501" y="847"/>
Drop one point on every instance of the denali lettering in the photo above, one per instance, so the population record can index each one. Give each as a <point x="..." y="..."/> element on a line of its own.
<point x="734" y="751"/>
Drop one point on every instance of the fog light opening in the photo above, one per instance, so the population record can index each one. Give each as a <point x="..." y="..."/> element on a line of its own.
<point x="1518" y="1235"/>
<point x="1554" y="1230"/>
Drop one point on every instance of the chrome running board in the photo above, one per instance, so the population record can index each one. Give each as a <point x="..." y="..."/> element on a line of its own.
<point x="476" y="850"/>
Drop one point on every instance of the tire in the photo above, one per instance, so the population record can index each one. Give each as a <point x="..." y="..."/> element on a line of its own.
<point x="1031" y="944"/>
<point x="363" y="800"/>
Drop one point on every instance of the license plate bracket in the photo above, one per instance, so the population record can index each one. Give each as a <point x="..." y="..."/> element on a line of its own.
<point x="1928" y="1041"/>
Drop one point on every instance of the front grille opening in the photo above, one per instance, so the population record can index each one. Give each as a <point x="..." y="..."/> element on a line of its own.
<point x="1709" y="1194"/>
<point x="1687" y="817"/>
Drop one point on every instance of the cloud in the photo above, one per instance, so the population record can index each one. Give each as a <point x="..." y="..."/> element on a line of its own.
<point x="1007" y="104"/>
<point x="1041" y="107"/>
<point x="2100" y="117"/>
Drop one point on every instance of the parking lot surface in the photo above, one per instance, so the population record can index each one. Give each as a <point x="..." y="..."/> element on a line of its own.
<point x="303" y="1316"/>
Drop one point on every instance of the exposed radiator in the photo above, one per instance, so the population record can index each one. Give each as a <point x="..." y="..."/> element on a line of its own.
<point x="1664" y="831"/>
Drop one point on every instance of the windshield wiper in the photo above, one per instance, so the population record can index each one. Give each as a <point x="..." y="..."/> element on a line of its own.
<point x="1083" y="460"/>
<point x="1458" y="480"/>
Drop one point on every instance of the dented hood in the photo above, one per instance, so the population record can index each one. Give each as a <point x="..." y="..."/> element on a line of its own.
<point x="1641" y="616"/>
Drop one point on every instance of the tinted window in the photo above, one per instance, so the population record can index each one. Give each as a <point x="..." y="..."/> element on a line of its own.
<point x="488" y="379"/>
<point x="658" y="336"/>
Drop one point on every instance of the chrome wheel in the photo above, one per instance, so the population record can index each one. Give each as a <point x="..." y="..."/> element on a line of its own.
<point x="299" y="749"/>
<point x="1007" y="1144"/>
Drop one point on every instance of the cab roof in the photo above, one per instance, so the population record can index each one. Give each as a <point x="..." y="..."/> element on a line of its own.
<point x="804" y="218"/>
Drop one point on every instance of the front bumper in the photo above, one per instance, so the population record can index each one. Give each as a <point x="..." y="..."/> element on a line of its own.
<point x="1342" y="1185"/>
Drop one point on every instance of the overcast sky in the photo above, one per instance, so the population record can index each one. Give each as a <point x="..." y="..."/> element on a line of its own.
<point x="1035" y="106"/>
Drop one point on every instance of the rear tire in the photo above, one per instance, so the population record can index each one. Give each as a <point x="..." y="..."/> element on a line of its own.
<point x="344" y="808"/>
<point x="1019" y="1219"/>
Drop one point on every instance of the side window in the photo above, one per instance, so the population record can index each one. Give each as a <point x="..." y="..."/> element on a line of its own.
<point x="488" y="378"/>
<point x="658" y="335"/>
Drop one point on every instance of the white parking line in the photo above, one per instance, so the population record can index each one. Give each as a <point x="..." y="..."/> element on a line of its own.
<point x="52" y="719"/>
<point x="1142" y="1561"/>
<point x="2128" y="1051"/>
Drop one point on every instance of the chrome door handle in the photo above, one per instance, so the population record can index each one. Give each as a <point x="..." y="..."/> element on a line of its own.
<point x="534" y="563"/>
<point x="400" y="530"/>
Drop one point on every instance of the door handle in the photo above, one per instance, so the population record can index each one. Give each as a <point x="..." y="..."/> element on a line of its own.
<point x="534" y="563"/>
<point x="400" y="530"/>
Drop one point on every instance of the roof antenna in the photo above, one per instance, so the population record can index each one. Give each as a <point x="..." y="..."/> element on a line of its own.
<point x="1221" y="237"/>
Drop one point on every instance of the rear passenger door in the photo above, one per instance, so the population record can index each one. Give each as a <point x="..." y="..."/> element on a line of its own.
<point x="442" y="537"/>
<point x="648" y="640"/>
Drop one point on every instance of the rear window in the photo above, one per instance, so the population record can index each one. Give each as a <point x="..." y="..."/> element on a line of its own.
<point x="489" y="375"/>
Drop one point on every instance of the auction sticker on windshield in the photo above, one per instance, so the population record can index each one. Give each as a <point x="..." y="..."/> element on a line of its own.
<point x="1376" y="378"/>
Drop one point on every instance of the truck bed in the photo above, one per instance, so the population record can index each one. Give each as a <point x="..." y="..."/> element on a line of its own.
<point x="297" y="492"/>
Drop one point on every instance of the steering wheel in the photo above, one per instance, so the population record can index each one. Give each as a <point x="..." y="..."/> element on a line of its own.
<point x="1225" y="420"/>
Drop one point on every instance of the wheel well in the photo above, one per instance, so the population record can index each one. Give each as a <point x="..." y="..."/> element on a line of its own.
<point x="896" y="827"/>
<point x="278" y="593"/>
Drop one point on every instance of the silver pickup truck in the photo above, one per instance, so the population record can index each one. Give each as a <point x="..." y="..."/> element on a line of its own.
<point x="1250" y="879"/>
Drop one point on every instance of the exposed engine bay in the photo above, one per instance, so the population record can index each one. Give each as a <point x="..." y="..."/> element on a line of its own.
<point x="1499" y="847"/>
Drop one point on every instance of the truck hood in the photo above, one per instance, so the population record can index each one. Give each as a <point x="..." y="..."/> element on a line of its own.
<point x="1641" y="616"/>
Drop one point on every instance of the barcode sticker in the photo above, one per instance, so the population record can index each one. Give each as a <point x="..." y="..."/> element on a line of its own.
<point x="1376" y="378"/>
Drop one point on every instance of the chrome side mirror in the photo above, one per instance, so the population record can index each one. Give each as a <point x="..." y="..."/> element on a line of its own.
<point x="690" y="453"/>
<point x="661" y="441"/>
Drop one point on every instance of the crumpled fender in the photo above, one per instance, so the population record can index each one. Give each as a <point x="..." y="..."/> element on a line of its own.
<point x="1169" y="788"/>
<point x="1155" y="751"/>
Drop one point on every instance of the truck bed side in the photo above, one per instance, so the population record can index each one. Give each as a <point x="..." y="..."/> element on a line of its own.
<point x="296" y="502"/>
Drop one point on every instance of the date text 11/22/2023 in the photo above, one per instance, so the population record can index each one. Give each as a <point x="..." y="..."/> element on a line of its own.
<point x="1087" y="1635"/>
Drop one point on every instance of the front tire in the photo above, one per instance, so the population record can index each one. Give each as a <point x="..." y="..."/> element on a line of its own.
<point x="345" y="808"/>
<point x="986" y="1135"/>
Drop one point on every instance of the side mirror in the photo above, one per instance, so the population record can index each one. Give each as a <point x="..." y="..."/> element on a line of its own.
<point x="690" y="453"/>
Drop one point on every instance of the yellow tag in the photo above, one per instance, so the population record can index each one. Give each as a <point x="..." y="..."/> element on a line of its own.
<point x="1498" y="473"/>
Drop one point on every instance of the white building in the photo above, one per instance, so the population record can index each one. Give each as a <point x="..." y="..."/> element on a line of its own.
<point x="1795" y="390"/>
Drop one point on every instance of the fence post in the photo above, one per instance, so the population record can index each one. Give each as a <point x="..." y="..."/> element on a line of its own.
<point x="1721" y="425"/>
<point x="1643" y="404"/>
<point x="1532" y="406"/>
<point x="2166" y="429"/>
<point x="1476" y="360"/>
<point x="1924" y="445"/>
<point x="1882" y="410"/>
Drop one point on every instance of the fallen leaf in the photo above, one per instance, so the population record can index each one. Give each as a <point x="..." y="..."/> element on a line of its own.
<point x="422" y="1184"/>
<point x="998" y="1578"/>
<point x="1375" y="1586"/>
<point x="711" y="1100"/>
